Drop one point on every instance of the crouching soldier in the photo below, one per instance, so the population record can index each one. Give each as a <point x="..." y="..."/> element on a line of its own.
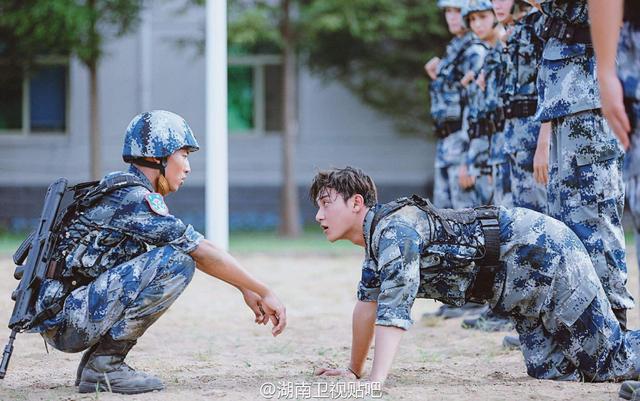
<point x="522" y="263"/>
<point x="123" y="259"/>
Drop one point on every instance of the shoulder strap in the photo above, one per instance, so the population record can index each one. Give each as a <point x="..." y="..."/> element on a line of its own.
<point x="384" y="211"/>
<point x="109" y="185"/>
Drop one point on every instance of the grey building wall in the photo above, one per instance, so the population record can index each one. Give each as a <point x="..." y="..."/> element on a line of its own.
<point x="335" y="130"/>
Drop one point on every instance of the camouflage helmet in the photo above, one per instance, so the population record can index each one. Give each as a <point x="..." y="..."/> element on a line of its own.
<point x="451" y="3"/>
<point x="473" y="6"/>
<point x="157" y="134"/>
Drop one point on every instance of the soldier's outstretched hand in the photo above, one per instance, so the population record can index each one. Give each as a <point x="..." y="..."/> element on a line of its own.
<point x="254" y="302"/>
<point x="276" y="312"/>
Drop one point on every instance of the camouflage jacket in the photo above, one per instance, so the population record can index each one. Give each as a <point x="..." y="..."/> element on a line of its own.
<point x="409" y="256"/>
<point x="629" y="73"/>
<point x="566" y="81"/>
<point x="119" y="227"/>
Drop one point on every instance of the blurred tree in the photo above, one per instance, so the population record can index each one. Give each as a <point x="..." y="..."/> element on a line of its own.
<point x="376" y="48"/>
<point x="32" y="28"/>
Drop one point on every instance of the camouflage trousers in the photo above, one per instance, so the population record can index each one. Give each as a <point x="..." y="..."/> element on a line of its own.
<point x="525" y="191"/>
<point x="586" y="192"/>
<point x="594" y="348"/>
<point x="550" y="288"/>
<point x="483" y="189"/>
<point x="501" y="177"/>
<point x="447" y="192"/>
<point x="632" y="186"/>
<point x="123" y="301"/>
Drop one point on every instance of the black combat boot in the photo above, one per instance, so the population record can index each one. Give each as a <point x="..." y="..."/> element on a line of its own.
<point x="83" y="362"/>
<point x="105" y="370"/>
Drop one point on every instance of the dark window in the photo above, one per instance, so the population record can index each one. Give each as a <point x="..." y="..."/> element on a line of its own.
<point x="273" y="98"/>
<point x="11" y="87"/>
<point x="240" y="99"/>
<point x="48" y="99"/>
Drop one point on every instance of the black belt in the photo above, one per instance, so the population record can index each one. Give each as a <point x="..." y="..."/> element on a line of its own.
<point x="568" y="33"/>
<point x="632" y="13"/>
<point x="521" y="108"/>
<point x="485" y="169"/>
<point x="447" y="128"/>
<point x="489" y="265"/>
<point x="481" y="128"/>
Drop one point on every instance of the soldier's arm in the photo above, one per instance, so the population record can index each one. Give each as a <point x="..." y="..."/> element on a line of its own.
<point x="363" y="323"/>
<point x="399" y="261"/>
<point x="606" y="19"/>
<point x="218" y="263"/>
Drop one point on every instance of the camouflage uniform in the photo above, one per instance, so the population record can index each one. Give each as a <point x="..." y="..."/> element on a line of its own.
<point x="494" y="80"/>
<point x="478" y="154"/>
<point x="448" y="100"/>
<point x="546" y="283"/>
<point x="628" y="62"/>
<point x="124" y="259"/>
<point x="524" y="49"/>
<point x="585" y="189"/>
<point x="124" y="285"/>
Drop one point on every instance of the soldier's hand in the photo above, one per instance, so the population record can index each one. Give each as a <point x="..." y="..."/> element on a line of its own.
<point x="431" y="67"/>
<point x="468" y="77"/>
<point x="541" y="157"/>
<point x="611" y="96"/>
<point x="335" y="372"/>
<point x="465" y="180"/>
<point x="276" y="312"/>
<point x="481" y="81"/>
<point x="254" y="303"/>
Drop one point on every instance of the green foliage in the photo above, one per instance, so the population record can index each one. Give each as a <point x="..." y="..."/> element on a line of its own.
<point x="32" y="28"/>
<point x="376" y="48"/>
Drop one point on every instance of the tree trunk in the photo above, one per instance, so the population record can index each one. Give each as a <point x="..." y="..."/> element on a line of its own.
<point x="290" y="213"/>
<point x="94" y="136"/>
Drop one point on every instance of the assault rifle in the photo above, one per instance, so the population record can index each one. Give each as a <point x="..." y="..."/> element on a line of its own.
<point x="36" y="250"/>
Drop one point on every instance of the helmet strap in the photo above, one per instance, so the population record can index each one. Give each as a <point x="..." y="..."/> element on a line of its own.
<point x="155" y="165"/>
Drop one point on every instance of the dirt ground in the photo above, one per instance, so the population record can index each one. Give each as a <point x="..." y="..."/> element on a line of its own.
<point x="207" y="347"/>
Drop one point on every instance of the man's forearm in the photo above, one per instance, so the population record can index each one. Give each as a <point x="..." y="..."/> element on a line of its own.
<point x="218" y="263"/>
<point x="606" y="19"/>
<point x="387" y="342"/>
<point x="364" y="317"/>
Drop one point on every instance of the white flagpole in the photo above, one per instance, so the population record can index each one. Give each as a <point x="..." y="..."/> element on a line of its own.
<point x="217" y="177"/>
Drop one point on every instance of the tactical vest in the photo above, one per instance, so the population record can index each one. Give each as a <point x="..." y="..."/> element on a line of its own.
<point x="84" y="195"/>
<point x="632" y="12"/>
<point x="488" y="256"/>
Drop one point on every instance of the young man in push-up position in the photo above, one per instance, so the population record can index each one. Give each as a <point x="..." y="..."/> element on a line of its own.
<point x="522" y="263"/>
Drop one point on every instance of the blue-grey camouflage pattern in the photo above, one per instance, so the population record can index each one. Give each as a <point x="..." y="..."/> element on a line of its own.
<point x="567" y="82"/>
<point x="586" y="192"/>
<point x="157" y="133"/>
<point x="448" y="99"/>
<point x="129" y="264"/>
<point x="547" y="285"/>
<point x="524" y="51"/>
<point x="447" y="191"/>
<point x="628" y="62"/>
<point x="585" y="189"/>
<point x="451" y="3"/>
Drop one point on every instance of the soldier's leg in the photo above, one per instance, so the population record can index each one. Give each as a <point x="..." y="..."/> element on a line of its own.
<point x="596" y="344"/>
<point x="116" y="309"/>
<point x="460" y="198"/>
<point x="632" y="186"/>
<point x="441" y="190"/>
<point x="543" y="356"/>
<point x="526" y="192"/>
<point x="502" y="185"/>
<point x="484" y="188"/>
<point x="586" y="193"/>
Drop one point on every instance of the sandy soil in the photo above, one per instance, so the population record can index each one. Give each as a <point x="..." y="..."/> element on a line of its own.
<point x="207" y="347"/>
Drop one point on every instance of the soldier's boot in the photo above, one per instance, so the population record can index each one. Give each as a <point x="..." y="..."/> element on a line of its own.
<point x="630" y="390"/>
<point x="488" y="321"/>
<point x="83" y="363"/>
<point x="106" y="370"/>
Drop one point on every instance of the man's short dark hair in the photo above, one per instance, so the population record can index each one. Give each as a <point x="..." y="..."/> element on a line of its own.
<point x="347" y="182"/>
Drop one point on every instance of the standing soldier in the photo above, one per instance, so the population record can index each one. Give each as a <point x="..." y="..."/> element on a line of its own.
<point x="448" y="110"/>
<point x="586" y="189"/>
<point x="526" y="140"/>
<point x="619" y="88"/>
